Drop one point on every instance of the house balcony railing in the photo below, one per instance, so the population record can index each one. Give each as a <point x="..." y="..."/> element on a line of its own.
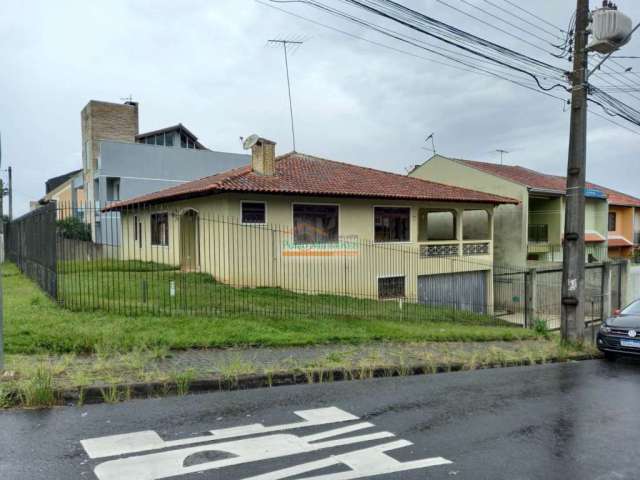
<point x="455" y="248"/>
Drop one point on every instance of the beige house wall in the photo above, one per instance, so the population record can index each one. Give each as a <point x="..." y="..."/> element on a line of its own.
<point x="257" y="256"/>
<point x="510" y="221"/>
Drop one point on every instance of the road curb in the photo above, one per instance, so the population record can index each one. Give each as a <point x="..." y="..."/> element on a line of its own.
<point x="127" y="391"/>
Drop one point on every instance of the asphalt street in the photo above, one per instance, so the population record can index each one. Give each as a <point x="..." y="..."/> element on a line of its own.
<point x="563" y="421"/>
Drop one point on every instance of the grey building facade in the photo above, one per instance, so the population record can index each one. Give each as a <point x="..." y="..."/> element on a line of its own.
<point x="119" y="162"/>
<point x="127" y="170"/>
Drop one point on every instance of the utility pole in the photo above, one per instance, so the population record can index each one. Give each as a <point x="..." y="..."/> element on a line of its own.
<point x="10" y="178"/>
<point x="573" y="300"/>
<point x="285" y="44"/>
<point x="1" y="270"/>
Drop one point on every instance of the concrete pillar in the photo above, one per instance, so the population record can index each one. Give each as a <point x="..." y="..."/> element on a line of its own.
<point x="531" y="300"/>
<point x="626" y="295"/>
<point x="606" y="291"/>
<point x="459" y="227"/>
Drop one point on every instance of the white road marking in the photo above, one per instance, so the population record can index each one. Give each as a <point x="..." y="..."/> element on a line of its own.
<point x="362" y="463"/>
<point x="172" y="463"/>
<point x="127" y="443"/>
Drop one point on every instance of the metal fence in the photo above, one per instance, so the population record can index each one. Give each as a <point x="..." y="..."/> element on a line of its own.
<point x="547" y="253"/>
<point x="30" y="242"/>
<point x="162" y="260"/>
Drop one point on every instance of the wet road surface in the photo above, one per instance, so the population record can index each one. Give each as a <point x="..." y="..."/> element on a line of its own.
<point x="564" y="421"/>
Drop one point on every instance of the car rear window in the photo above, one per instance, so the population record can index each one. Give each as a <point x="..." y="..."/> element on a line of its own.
<point x="633" y="309"/>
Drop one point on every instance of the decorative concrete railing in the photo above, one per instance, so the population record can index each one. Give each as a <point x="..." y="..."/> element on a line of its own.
<point x="455" y="249"/>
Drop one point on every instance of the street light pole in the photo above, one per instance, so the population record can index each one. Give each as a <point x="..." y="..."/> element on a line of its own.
<point x="573" y="277"/>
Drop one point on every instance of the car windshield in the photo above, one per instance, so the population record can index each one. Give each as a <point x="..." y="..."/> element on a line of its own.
<point x="633" y="309"/>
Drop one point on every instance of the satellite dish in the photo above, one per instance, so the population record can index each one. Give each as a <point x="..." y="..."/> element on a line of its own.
<point x="250" y="141"/>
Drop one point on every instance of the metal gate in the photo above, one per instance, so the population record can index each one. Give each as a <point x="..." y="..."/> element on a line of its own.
<point x="460" y="291"/>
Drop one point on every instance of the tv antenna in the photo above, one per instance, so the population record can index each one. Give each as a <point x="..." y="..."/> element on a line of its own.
<point x="502" y="153"/>
<point x="128" y="99"/>
<point x="433" y="143"/>
<point x="285" y="45"/>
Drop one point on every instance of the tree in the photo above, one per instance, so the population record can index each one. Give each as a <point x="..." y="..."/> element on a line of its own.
<point x="74" y="229"/>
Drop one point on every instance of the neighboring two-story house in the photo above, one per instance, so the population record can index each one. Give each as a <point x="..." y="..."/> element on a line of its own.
<point x="623" y="224"/>
<point x="304" y="223"/>
<point x="119" y="163"/>
<point x="533" y="230"/>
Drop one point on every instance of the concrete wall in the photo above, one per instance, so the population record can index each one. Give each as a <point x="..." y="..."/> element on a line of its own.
<point x="597" y="216"/>
<point x="510" y="221"/>
<point x="633" y="285"/>
<point x="248" y="255"/>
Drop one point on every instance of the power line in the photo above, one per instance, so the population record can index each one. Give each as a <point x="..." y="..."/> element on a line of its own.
<point x="508" y="12"/>
<point x="498" y="28"/>
<point x="442" y="31"/>
<point x="472" y="68"/>
<point x="533" y="15"/>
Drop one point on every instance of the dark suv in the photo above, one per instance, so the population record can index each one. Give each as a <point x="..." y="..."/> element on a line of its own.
<point x="620" y="334"/>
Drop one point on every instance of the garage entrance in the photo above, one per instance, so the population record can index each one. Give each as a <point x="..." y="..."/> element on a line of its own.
<point x="461" y="291"/>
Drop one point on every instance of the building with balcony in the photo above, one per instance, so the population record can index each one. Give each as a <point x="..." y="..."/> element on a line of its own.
<point x="533" y="230"/>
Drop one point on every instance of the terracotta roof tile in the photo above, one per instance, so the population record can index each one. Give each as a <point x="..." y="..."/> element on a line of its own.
<point x="620" y="242"/>
<point x="533" y="179"/>
<point x="592" y="237"/>
<point x="299" y="174"/>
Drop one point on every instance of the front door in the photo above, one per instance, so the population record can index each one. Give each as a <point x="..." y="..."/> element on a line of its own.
<point x="189" y="254"/>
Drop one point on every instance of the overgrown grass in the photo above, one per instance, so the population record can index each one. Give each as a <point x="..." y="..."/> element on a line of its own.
<point x="159" y="289"/>
<point x="36" y="324"/>
<point x="37" y="381"/>
<point x="107" y="265"/>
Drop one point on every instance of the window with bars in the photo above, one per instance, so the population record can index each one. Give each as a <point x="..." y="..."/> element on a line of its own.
<point x="391" y="287"/>
<point x="613" y="218"/>
<point x="160" y="229"/>
<point x="254" y="212"/>
<point x="538" y="233"/>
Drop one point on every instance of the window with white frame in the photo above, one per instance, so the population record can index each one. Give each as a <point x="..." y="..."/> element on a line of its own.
<point x="253" y="212"/>
<point x="314" y="223"/>
<point x="391" y="287"/>
<point x="392" y="224"/>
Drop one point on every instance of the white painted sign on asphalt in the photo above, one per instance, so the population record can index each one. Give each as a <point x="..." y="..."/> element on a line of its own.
<point x="253" y="443"/>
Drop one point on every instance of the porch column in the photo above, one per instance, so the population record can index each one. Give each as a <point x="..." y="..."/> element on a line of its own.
<point x="459" y="233"/>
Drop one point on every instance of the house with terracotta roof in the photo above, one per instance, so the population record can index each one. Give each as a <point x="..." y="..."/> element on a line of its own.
<point x="315" y="225"/>
<point x="533" y="230"/>
<point x="623" y="224"/>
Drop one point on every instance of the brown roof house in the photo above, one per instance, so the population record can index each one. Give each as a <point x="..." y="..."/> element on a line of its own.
<point x="533" y="230"/>
<point x="314" y="225"/>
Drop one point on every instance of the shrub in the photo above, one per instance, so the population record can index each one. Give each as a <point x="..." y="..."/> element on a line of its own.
<point x="541" y="327"/>
<point x="74" y="229"/>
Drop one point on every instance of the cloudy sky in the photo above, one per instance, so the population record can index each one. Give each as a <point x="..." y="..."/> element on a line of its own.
<point x="205" y="63"/>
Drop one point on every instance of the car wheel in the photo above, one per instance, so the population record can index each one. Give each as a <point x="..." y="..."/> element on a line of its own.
<point x="610" y="356"/>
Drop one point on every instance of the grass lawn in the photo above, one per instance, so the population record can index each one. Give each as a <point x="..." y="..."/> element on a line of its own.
<point x="36" y="324"/>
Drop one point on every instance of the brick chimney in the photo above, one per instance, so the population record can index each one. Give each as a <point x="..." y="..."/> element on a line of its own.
<point x="263" y="157"/>
<point x="106" y="121"/>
